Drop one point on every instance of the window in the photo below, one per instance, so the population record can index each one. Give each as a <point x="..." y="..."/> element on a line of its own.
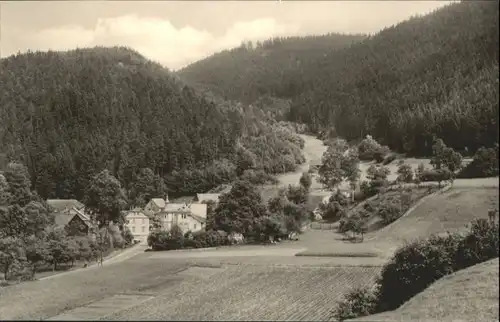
<point x="142" y="221"/>
<point x="183" y="216"/>
<point x="133" y="220"/>
<point x="194" y="226"/>
<point x="133" y="229"/>
<point x="143" y="229"/>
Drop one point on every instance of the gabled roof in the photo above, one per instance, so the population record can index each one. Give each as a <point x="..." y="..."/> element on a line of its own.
<point x="198" y="218"/>
<point x="160" y="202"/>
<point x="62" y="204"/>
<point x="177" y="207"/>
<point x="86" y="220"/>
<point x="208" y="197"/>
<point x="62" y="218"/>
<point x="133" y="212"/>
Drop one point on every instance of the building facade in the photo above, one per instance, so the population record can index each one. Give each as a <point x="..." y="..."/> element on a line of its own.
<point x="138" y="224"/>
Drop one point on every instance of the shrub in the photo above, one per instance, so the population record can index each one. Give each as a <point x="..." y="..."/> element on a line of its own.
<point x="389" y="211"/>
<point x="435" y="175"/>
<point x="414" y="267"/>
<point x="336" y="207"/>
<point x="405" y="173"/>
<point x="378" y="155"/>
<point x="166" y="240"/>
<point x="360" y="195"/>
<point x="417" y="265"/>
<point x="389" y="158"/>
<point x="258" y="177"/>
<point x="359" y="302"/>
<point x="484" y="164"/>
<point x="479" y="245"/>
<point x="369" y="149"/>
<point x="367" y="189"/>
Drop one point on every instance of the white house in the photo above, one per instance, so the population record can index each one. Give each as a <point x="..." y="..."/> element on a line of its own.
<point x="155" y="205"/>
<point x="189" y="217"/>
<point x="199" y="209"/>
<point x="138" y="223"/>
<point x="182" y="216"/>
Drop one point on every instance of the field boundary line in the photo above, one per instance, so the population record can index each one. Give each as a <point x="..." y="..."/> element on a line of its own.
<point x="409" y="211"/>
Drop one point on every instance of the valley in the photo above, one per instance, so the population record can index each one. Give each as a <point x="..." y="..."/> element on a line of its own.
<point x="329" y="177"/>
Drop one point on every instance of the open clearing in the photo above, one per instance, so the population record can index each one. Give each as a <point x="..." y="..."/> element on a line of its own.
<point x="468" y="199"/>
<point x="467" y="295"/>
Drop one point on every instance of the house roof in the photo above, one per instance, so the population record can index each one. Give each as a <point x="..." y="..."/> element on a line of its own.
<point x="177" y="207"/>
<point x="86" y="220"/>
<point x="208" y="197"/>
<point x="62" y="204"/>
<point x="198" y="218"/>
<point x="134" y="211"/>
<point x="160" y="202"/>
<point x="62" y="218"/>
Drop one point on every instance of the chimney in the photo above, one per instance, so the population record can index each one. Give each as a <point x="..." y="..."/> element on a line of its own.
<point x="166" y="198"/>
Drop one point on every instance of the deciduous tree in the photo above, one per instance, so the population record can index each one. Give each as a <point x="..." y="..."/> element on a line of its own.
<point x="238" y="208"/>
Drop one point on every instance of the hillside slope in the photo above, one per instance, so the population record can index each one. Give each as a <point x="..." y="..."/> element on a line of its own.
<point x="69" y="115"/>
<point x="273" y="67"/>
<point x="430" y="75"/>
<point x="467" y="295"/>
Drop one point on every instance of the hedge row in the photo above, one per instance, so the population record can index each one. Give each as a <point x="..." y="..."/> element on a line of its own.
<point x="417" y="265"/>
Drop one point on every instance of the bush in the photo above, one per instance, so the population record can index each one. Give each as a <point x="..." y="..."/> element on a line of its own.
<point x="166" y="240"/>
<point x="435" y="175"/>
<point x="367" y="190"/>
<point x="484" y="164"/>
<point x="390" y="211"/>
<point x="389" y="158"/>
<point x="414" y="267"/>
<point x="359" y="302"/>
<point x="417" y="265"/>
<point x="369" y="149"/>
<point x="480" y="245"/>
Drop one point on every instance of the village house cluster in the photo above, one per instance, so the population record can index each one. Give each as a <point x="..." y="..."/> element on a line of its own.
<point x="189" y="216"/>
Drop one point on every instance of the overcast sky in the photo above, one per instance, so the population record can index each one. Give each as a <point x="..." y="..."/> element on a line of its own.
<point x="176" y="33"/>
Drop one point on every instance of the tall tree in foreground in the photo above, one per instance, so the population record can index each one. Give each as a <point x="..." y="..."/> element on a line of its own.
<point x="239" y="208"/>
<point x="104" y="199"/>
<point x="339" y="164"/>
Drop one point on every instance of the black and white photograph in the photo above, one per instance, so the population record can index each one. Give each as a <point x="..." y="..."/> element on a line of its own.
<point x="278" y="160"/>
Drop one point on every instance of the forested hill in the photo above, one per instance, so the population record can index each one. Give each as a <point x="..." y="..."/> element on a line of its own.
<point x="431" y="75"/>
<point x="69" y="115"/>
<point x="273" y="67"/>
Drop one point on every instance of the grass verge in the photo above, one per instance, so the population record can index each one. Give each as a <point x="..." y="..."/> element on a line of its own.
<point x="308" y="253"/>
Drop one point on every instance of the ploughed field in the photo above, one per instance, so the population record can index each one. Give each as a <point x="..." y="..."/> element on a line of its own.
<point x="152" y="287"/>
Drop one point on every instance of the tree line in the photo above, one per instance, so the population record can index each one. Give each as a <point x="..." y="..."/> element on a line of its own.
<point x="31" y="239"/>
